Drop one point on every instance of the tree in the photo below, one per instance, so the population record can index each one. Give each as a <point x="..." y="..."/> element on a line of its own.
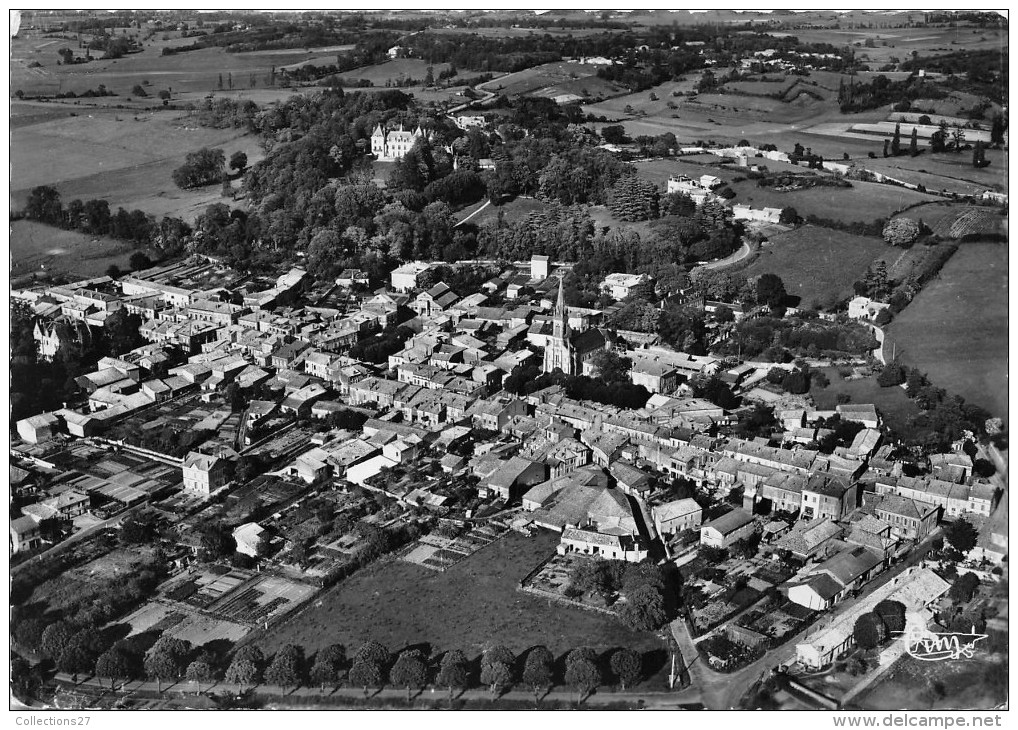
<point x="77" y="656"/>
<point x="979" y="155"/>
<point x="366" y="673"/>
<point x="770" y="290"/>
<point x="497" y="676"/>
<point x="913" y="145"/>
<point x="410" y="671"/>
<point x="44" y="205"/>
<point x="644" y="609"/>
<point x="626" y="664"/>
<point x="27" y="634"/>
<point x="789" y="215"/>
<point x="612" y="367"/>
<point x="454" y="672"/>
<point x="964" y="587"/>
<point x="203" y="167"/>
<point x="962" y="535"/>
<point x="901" y="232"/>
<point x="537" y="670"/>
<point x="958" y="136"/>
<point x="242" y="672"/>
<point x="286" y="667"/>
<point x="167" y="659"/>
<point x="217" y="541"/>
<point x="983" y="468"/>
<point x="199" y="671"/>
<point x="614" y="134"/>
<point x="892" y="374"/>
<point x="634" y="199"/>
<point x="139" y="260"/>
<point x="892" y="614"/>
<point x="329" y="662"/>
<point x="896" y="141"/>
<point x="374" y="652"/>
<point x="139" y="90"/>
<point x="869" y="631"/>
<point x="583" y="676"/>
<point x="238" y="161"/>
<point x="997" y="129"/>
<point x="55" y="639"/>
<point x="114" y="664"/>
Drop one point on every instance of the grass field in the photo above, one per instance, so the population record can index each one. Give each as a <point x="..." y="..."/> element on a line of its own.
<point x="125" y="158"/>
<point x="471" y="605"/>
<point x="515" y="210"/>
<point x="863" y="202"/>
<point x="951" y="220"/>
<point x="892" y="403"/>
<point x="189" y="71"/>
<point x="956" y="329"/>
<point x="818" y="264"/>
<point x="394" y="71"/>
<point x="36" y="248"/>
<point x="556" y="78"/>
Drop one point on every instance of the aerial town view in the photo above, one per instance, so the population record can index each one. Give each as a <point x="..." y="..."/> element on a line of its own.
<point x="509" y="360"/>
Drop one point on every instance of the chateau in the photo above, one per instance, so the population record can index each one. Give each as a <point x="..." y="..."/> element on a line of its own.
<point x="395" y="144"/>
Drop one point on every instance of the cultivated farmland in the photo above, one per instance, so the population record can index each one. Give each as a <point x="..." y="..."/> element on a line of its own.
<point x="819" y="264"/>
<point x="956" y="329"/>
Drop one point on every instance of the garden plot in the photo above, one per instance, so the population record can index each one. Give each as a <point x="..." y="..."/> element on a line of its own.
<point x="439" y="553"/>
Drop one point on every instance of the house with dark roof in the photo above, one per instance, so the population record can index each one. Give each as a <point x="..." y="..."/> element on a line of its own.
<point x="833" y="579"/>
<point x="909" y="519"/>
<point x="512" y="478"/>
<point x="828" y="496"/>
<point x="727" y="529"/>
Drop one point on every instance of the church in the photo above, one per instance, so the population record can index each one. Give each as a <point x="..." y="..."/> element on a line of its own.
<point x="395" y="144"/>
<point x="567" y="351"/>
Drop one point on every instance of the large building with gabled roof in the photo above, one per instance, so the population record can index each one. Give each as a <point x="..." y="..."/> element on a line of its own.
<point x="394" y="144"/>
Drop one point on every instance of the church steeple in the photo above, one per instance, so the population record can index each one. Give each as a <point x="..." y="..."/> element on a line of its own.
<point x="561" y="329"/>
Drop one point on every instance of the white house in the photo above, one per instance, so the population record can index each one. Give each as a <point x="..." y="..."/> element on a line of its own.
<point x="404" y="278"/>
<point x="743" y="212"/>
<point x="203" y="474"/>
<point x="394" y="144"/>
<point x="39" y="428"/>
<point x="248" y="537"/>
<point x="620" y="286"/>
<point x="674" y="517"/>
<point x="865" y="308"/>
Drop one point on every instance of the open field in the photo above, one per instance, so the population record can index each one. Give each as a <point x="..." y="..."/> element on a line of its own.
<point x="188" y="71"/>
<point x="956" y="329"/>
<point x="818" y="264"/>
<point x="552" y="79"/>
<point x="950" y="220"/>
<point x="515" y="210"/>
<point x="36" y="248"/>
<point x="963" y="684"/>
<point x="901" y="42"/>
<point x="953" y="172"/>
<point x="892" y="403"/>
<point x="469" y="606"/>
<point x="394" y="71"/>
<point x="124" y="158"/>
<point x="863" y="202"/>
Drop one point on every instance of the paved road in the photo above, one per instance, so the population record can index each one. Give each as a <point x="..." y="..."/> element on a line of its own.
<point x="181" y="691"/>
<point x="735" y="258"/>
